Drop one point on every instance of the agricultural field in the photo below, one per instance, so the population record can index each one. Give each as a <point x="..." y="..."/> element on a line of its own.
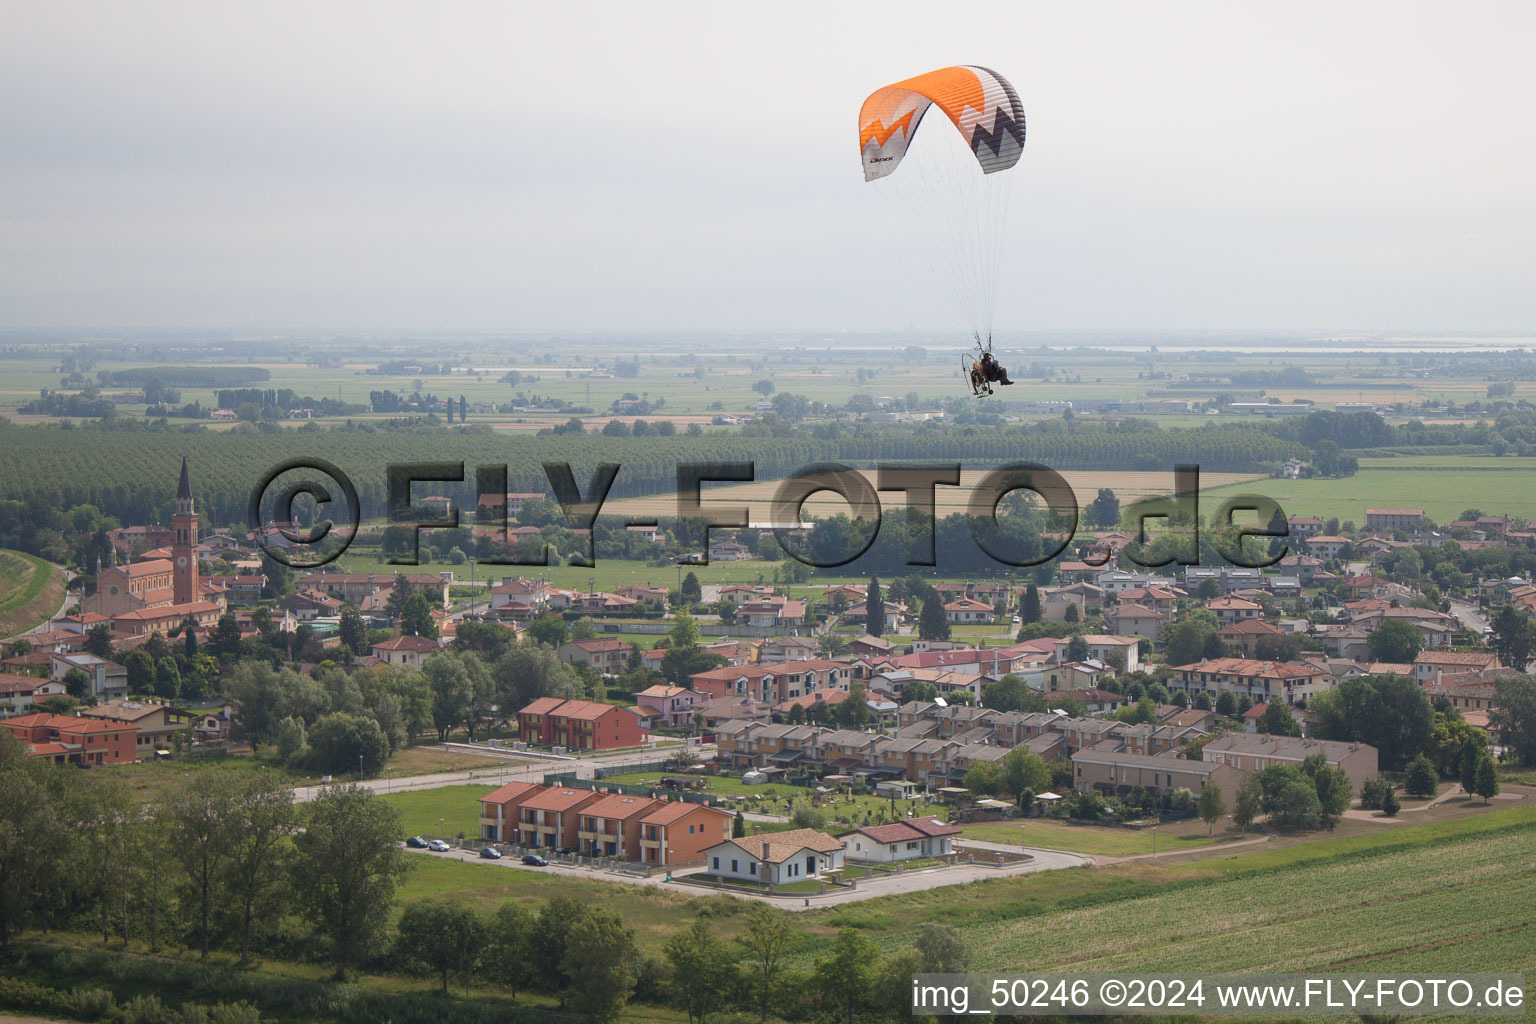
<point x="757" y="497"/>
<point x="1443" y="486"/>
<point x="1144" y="908"/>
<point x="1466" y="905"/>
<point x="31" y="590"/>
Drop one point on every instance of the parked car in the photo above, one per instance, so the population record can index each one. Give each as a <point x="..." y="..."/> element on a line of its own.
<point x="416" y="843"/>
<point x="438" y="846"/>
<point x="533" y="860"/>
<point x="326" y="780"/>
<point x="490" y="853"/>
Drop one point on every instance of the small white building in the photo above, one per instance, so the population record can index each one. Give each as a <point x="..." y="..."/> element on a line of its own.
<point x="902" y="840"/>
<point x="776" y="858"/>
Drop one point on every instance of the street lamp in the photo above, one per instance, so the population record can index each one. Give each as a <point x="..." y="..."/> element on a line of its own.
<point x="1154" y="842"/>
<point x="359" y="767"/>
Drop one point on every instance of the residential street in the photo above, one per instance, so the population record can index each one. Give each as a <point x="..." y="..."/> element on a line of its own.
<point x="880" y="885"/>
<point x="1470" y="616"/>
<point x="520" y="770"/>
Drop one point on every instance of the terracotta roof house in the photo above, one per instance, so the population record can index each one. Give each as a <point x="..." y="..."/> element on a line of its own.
<point x="900" y="840"/>
<point x="776" y="858"/>
<point x="406" y="650"/>
<point x="610" y="827"/>
<point x="677" y="833"/>
<point x="550" y="818"/>
<point x="498" y="810"/>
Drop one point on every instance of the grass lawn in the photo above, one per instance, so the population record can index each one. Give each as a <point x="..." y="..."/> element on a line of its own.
<point x="428" y="760"/>
<point x="770" y="797"/>
<point x="148" y="780"/>
<point x="30" y="591"/>
<point x="652" y="912"/>
<point x="807" y="886"/>
<point x="448" y="811"/>
<point x="1096" y="839"/>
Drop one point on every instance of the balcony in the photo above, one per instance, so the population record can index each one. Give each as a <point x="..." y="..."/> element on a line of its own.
<point x="650" y="844"/>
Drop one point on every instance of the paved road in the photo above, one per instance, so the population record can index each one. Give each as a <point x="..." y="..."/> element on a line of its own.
<point x="1469" y="615"/>
<point x="495" y="774"/>
<point x="868" y="889"/>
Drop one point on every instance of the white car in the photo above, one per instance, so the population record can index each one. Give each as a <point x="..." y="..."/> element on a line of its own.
<point x="438" y="846"/>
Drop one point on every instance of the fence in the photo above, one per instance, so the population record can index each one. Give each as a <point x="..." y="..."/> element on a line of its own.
<point x="570" y="781"/>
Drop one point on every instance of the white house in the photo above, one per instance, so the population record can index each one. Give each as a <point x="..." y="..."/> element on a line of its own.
<point x="901" y="840"/>
<point x="776" y="858"/>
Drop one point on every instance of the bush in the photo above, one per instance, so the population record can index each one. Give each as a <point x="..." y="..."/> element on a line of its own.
<point x="1373" y="792"/>
<point x="806" y="816"/>
<point x="1181" y="800"/>
<point x="147" y="1009"/>
<point x="234" y="1013"/>
<point x="89" y="1003"/>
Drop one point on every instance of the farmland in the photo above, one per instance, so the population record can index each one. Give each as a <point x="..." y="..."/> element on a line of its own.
<point x="1455" y="906"/>
<point x="1128" y="485"/>
<point x="1168" y="915"/>
<point x="1444" y="486"/>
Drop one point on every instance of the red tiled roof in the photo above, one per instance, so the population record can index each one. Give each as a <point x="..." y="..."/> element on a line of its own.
<point x="407" y="643"/>
<point x="932" y="827"/>
<point x="671" y="810"/>
<point x="149" y="568"/>
<point x="558" y="799"/>
<point x="542" y="706"/>
<point x="511" y="791"/>
<point x="616" y="805"/>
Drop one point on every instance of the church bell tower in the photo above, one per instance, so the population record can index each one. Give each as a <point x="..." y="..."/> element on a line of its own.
<point x="184" y="587"/>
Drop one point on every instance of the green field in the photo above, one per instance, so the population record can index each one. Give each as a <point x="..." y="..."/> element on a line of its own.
<point x="447" y="811"/>
<point x="1443" y="486"/>
<point x="31" y="590"/>
<point x="1109" y="842"/>
<point x="773" y="798"/>
<point x="1456" y="906"/>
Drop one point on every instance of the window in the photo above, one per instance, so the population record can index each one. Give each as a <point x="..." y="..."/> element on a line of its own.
<point x="752" y="868"/>
<point x="717" y="864"/>
<point x="734" y="869"/>
<point x="690" y="830"/>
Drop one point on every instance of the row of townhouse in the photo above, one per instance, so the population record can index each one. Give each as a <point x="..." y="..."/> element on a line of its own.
<point x="650" y="830"/>
<point x="580" y="724"/>
<point x="779" y="681"/>
<point x="936" y="745"/>
<point x="356" y="587"/>
<point x="935" y="762"/>
<point x="1116" y="765"/>
<point x="1293" y="682"/>
<point x="68" y="739"/>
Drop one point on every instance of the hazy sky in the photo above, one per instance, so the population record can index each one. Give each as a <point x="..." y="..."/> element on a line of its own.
<point x="503" y="165"/>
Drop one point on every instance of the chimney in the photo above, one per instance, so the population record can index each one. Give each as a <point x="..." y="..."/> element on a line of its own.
<point x="765" y="850"/>
<point x="757" y="830"/>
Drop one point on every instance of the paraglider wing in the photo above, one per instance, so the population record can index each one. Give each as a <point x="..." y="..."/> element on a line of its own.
<point x="979" y="102"/>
